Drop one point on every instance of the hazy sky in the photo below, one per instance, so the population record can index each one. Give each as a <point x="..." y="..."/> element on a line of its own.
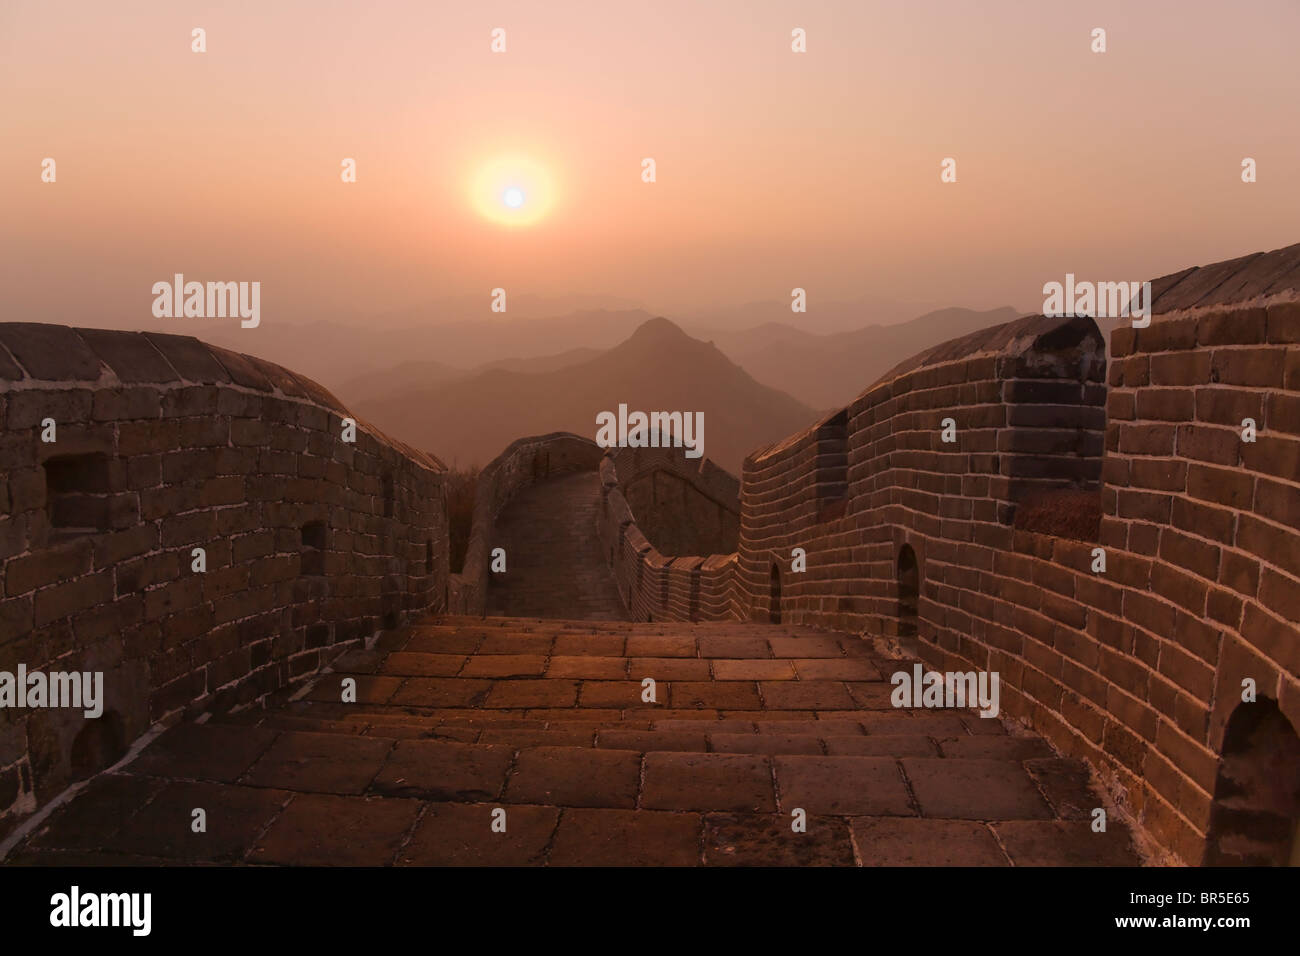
<point x="774" y="169"/>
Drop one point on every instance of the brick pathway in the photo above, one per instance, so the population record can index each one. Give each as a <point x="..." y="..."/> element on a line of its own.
<point x="554" y="568"/>
<point x="458" y="717"/>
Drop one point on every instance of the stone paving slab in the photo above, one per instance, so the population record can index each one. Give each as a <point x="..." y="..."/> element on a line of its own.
<point x="320" y="763"/>
<point x="995" y="748"/>
<point x="645" y="741"/>
<point x="974" y="789"/>
<point x="668" y="669"/>
<point x="764" y="744"/>
<point x="510" y="645"/>
<point x="539" y="738"/>
<point x="627" y="838"/>
<point x="719" y="695"/>
<point x="657" y="645"/>
<point x="843" y="786"/>
<point x="726" y="669"/>
<point x="461" y="835"/>
<point x="533" y="693"/>
<point x="456" y="718"/>
<point x="407" y="664"/>
<point x="735" y="647"/>
<point x="97" y="813"/>
<point x="233" y="817"/>
<point x="681" y="781"/>
<point x="801" y="648"/>
<point x="1065" y="783"/>
<point x="588" y="667"/>
<point x="881" y="745"/>
<point x="447" y="643"/>
<point x="622" y="694"/>
<point x="369" y="689"/>
<point x="442" y="770"/>
<point x="576" y="777"/>
<point x="900" y="841"/>
<point x="505" y="665"/>
<point x="836" y="669"/>
<point x="749" y="840"/>
<point x="1066" y="843"/>
<point x="593" y="645"/>
<point x="814" y="694"/>
<point x="442" y="692"/>
<point x="326" y="830"/>
<point x="204" y="753"/>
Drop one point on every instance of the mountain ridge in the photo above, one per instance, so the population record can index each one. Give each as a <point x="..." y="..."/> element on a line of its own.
<point x="657" y="368"/>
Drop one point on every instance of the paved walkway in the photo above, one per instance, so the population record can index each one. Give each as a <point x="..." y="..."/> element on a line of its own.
<point x="457" y="719"/>
<point x="554" y="567"/>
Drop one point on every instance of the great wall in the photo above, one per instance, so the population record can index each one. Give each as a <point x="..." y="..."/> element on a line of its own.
<point x="1127" y="682"/>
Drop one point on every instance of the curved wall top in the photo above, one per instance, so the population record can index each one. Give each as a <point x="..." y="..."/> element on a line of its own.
<point x="198" y="526"/>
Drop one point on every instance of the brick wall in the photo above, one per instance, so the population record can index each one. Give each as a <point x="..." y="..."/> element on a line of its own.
<point x="525" y="461"/>
<point x="684" y="506"/>
<point x="162" y="445"/>
<point x="1138" y="668"/>
<point x="1025" y="402"/>
<point x="655" y="585"/>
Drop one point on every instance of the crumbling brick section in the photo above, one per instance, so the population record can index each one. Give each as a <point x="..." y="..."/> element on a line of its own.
<point x="163" y="445"/>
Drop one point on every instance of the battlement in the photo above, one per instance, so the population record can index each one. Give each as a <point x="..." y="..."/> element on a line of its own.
<point x="1138" y="667"/>
<point x="194" y="523"/>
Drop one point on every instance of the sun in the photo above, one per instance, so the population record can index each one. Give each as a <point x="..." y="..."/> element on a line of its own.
<point x="513" y="190"/>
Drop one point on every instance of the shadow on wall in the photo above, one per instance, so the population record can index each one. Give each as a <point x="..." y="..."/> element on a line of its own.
<point x="774" y="596"/>
<point x="909" y="597"/>
<point x="1256" y="810"/>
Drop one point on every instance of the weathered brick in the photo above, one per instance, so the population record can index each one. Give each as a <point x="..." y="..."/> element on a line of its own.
<point x="1166" y="404"/>
<point x="1233" y="488"/>
<point x="1284" y="322"/>
<point x="1250" y="367"/>
<point x="62" y="600"/>
<point x="1219" y="446"/>
<point x="1179" y="368"/>
<point x="114" y="404"/>
<point x="28" y="409"/>
<point x="1235" y="327"/>
<point x="47" y="566"/>
<point x="1229" y="406"/>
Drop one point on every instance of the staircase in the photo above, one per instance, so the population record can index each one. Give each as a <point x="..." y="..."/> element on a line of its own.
<point x="554" y="567"/>
<point x="539" y="726"/>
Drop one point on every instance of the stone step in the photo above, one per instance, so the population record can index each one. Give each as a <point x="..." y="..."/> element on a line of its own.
<point x="623" y="771"/>
<point x="456" y="718"/>
<point x="836" y="738"/>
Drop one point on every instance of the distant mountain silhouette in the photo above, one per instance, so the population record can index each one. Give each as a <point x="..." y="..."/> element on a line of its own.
<point x="826" y="371"/>
<point x="824" y="317"/>
<point x="658" y="368"/>
<point x="341" y="352"/>
<point x="415" y="375"/>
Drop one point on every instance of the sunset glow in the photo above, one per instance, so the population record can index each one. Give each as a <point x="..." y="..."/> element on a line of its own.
<point x="513" y="190"/>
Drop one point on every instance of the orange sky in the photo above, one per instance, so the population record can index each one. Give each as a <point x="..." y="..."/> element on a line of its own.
<point x="775" y="169"/>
